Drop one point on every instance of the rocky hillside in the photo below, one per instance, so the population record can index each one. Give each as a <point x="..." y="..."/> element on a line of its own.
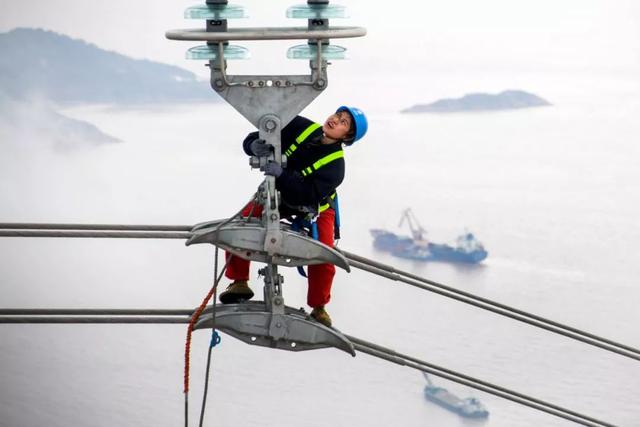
<point x="52" y="66"/>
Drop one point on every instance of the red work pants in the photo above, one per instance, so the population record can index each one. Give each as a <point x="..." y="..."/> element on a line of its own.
<point x="320" y="276"/>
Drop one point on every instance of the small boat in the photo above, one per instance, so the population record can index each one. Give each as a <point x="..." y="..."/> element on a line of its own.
<point x="467" y="249"/>
<point x="468" y="408"/>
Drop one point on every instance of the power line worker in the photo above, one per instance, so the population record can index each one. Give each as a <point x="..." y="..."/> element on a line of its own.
<point x="315" y="168"/>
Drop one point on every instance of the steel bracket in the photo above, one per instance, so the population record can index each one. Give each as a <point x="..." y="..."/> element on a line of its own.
<point x="245" y="238"/>
<point x="254" y="324"/>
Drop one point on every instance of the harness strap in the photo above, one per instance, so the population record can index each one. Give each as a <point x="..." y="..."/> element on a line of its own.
<point x="330" y="203"/>
<point x="322" y="162"/>
<point x="301" y="138"/>
<point x="299" y="224"/>
<point x="337" y="209"/>
<point x="332" y="200"/>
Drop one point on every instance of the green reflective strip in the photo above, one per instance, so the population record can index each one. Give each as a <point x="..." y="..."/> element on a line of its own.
<point x="323" y="162"/>
<point x="328" y="159"/>
<point x="326" y="206"/>
<point x="290" y="150"/>
<point x="308" y="131"/>
<point x="301" y="138"/>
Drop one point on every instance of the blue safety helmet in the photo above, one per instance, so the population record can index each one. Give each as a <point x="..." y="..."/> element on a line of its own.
<point x="359" y="123"/>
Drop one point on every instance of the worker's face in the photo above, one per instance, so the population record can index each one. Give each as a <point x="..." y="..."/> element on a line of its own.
<point x="337" y="125"/>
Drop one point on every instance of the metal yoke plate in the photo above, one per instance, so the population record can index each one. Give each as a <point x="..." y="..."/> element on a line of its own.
<point x="255" y="96"/>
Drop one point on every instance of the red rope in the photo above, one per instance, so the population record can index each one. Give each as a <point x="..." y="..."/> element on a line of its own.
<point x="187" y="346"/>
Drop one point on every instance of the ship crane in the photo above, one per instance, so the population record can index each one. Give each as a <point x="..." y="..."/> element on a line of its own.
<point x="269" y="102"/>
<point x="417" y="231"/>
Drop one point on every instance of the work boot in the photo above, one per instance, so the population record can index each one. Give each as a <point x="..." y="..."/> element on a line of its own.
<point x="321" y="316"/>
<point x="237" y="291"/>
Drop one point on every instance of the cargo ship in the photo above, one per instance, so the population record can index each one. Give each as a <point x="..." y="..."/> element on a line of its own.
<point x="468" y="408"/>
<point x="467" y="249"/>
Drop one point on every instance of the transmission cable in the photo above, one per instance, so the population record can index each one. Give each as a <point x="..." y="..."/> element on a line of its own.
<point x="66" y="226"/>
<point x="380" y="269"/>
<point x="171" y="316"/>
<point x="100" y="234"/>
<point x="404" y="360"/>
<point x="489" y="305"/>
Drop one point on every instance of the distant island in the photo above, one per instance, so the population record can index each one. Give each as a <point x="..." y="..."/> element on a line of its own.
<point x="476" y="102"/>
<point x="52" y="66"/>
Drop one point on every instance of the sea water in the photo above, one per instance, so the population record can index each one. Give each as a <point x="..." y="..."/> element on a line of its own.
<point x="553" y="193"/>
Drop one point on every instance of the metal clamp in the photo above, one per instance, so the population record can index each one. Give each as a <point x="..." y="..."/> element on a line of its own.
<point x="252" y="323"/>
<point x="245" y="238"/>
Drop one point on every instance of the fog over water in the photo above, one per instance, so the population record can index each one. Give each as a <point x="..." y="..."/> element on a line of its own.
<point x="553" y="193"/>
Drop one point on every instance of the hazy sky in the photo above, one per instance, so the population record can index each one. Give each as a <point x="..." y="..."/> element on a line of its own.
<point x="473" y="45"/>
<point x="491" y="27"/>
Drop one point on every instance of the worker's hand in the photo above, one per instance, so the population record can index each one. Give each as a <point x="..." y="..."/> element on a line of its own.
<point x="260" y="148"/>
<point x="273" y="169"/>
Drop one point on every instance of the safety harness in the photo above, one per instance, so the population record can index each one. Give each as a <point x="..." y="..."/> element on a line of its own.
<point x="301" y="138"/>
<point x="309" y="221"/>
<point x="331" y="200"/>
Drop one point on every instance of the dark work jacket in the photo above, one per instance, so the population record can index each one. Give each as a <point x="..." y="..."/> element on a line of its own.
<point x="314" y="189"/>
